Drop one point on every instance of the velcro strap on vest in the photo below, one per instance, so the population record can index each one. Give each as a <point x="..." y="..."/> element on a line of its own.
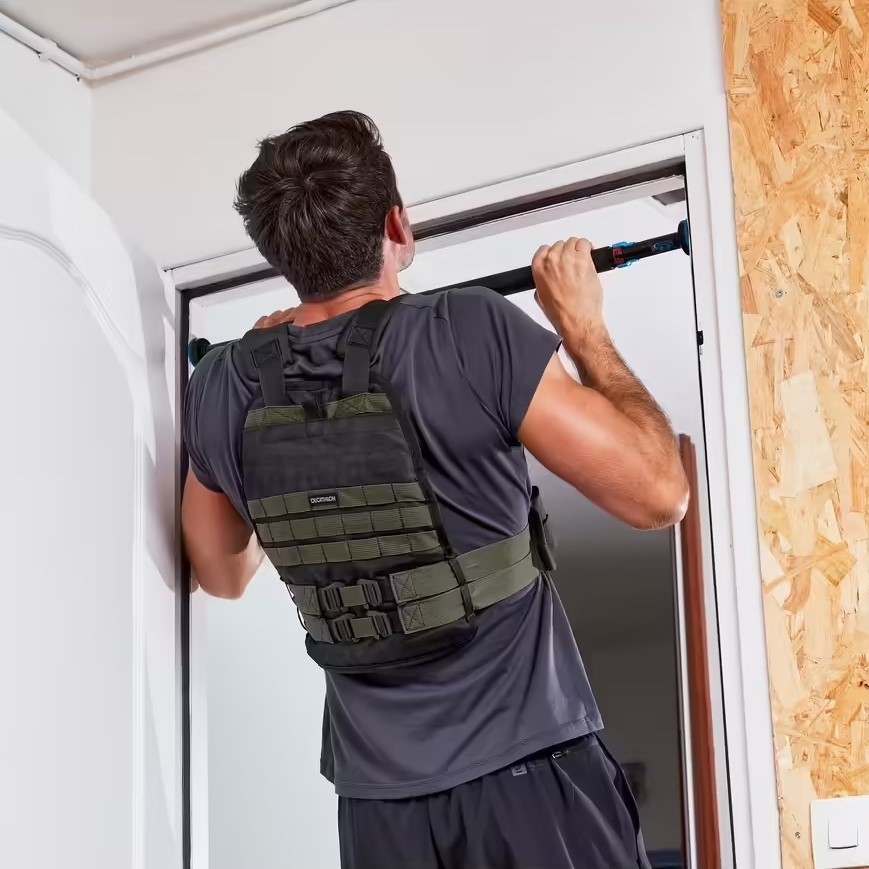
<point x="312" y="529"/>
<point x="364" y="549"/>
<point x="427" y="597"/>
<point x="295" y="503"/>
<point x="433" y="612"/>
<point x="432" y="579"/>
<point x="367" y="402"/>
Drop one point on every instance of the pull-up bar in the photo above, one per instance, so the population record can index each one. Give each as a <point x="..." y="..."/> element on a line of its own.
<point x="605" y="259"/>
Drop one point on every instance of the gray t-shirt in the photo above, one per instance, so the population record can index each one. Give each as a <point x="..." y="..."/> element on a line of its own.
<point x="465" y="365"/>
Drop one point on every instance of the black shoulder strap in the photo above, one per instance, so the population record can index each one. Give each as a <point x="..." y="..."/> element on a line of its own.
<point x="362" y="337"/>
<point x="269" y="350"/>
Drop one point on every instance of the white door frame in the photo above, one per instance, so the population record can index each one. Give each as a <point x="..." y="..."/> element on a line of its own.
<point x="745" y="760"/>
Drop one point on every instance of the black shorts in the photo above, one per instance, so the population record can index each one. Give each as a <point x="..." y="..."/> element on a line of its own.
<point x="567" y="808"/>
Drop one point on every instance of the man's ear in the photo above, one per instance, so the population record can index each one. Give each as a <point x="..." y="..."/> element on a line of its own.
<point x="398" y="227"/>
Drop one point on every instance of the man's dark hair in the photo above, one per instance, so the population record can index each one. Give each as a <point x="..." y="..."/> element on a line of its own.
<point x="315" y="201"/>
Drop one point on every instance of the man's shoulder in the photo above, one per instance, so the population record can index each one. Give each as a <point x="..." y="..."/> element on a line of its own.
<point x="217" y="384"/>
<point x="450" y="304"/>
<point x="210" y="369"/>
<point x="452" y="320"/>
<point x="420" y="304"/>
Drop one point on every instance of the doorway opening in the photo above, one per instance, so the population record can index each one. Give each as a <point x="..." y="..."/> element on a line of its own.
<point x="626" y="593"/>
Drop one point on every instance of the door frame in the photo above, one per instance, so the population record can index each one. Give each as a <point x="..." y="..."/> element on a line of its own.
<point x="745" y="773"/>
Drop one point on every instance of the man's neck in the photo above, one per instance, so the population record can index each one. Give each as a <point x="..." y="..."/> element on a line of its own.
<point x="310" y="313"/>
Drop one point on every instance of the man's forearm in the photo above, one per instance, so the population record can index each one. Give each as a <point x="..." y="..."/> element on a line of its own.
<point x="223" y="551"/>
<point x="620" y="445"/>
<point x="602" y="368"/>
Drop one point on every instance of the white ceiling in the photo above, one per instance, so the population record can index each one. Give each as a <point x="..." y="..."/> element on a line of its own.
<point x="102" y="31"/>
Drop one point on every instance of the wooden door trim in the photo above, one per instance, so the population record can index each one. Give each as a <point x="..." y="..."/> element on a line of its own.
<point x="699" y="689"/>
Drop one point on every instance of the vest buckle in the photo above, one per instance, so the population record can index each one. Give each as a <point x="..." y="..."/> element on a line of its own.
<point x="331" y="598"/>
<point x="342" y="628"/>
<point x="381" y="623"/>
<point x="371" y="590"/>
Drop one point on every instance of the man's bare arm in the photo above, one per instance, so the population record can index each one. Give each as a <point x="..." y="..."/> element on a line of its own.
<point x="225" y="555"/>
<point x="608" y="438"/>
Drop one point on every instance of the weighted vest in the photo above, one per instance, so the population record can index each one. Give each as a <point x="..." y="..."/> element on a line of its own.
<point x="341" y="503"/>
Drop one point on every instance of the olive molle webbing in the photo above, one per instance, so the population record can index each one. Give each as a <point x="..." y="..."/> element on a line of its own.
<point x="341" y="503"/>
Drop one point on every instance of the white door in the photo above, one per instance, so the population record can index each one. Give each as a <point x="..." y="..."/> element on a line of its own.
<point x="88" y="716"/>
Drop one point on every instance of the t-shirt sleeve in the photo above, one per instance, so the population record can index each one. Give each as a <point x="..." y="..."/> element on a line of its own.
<point x="193" y="431"/>
<point x="501" y="350"/>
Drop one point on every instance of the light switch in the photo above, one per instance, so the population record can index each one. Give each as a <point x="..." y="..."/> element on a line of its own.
<point x="843" y="832"/>
<point x="840" y="833"/>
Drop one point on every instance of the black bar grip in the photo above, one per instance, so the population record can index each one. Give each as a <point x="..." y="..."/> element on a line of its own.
<point x="603" y="259"/>
<point x="519" y="280"/>
<point x="197" y="349"/>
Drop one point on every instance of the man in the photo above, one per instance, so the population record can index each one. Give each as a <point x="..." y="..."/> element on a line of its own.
<point x="488" y="756"/>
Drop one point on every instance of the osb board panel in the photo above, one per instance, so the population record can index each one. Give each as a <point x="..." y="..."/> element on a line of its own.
<point x="798" y="89"/>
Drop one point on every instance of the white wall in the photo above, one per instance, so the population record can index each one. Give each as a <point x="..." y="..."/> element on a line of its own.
<point x="637" y="691"/>
<point x="465" y="91"/>
<point x="51" y="106"/>
<point x="89" y="728"/>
